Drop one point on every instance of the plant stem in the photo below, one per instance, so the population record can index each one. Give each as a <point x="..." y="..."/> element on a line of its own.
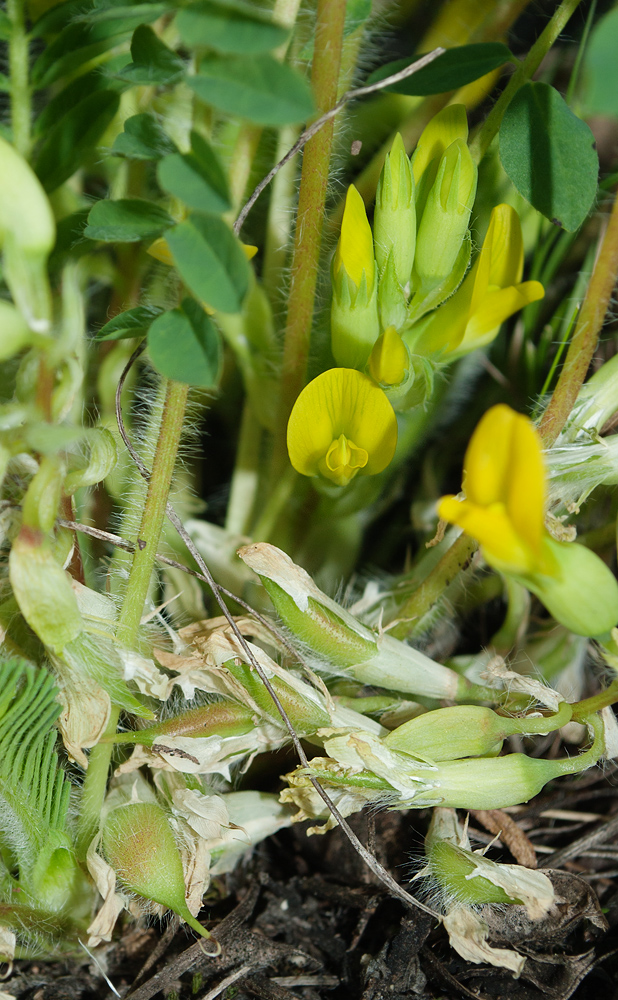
<point x="135" y="594"/>
<point x="598" y="701"/>
<point x="18" y="70"/>
<point x="154" y="511"/>
<point x="245" y="477"/>
<point x="585" y="339"/>
<point x="431" y="590"/>
<point x="309" y="220"/>
<point x="526" y="69"/>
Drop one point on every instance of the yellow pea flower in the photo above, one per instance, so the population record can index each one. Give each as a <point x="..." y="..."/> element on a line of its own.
<point x="504" y="509"/>
<point x="342" y="424"/>
<point x="354" y="309"/>
<point x="490" y="293"/>
<point x="504" y="482"/>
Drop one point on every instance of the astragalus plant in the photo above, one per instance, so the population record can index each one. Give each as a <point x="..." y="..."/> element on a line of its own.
<point x="364" y="370"/>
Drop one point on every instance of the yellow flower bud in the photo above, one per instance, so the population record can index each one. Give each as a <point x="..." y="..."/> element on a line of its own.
<point x="341" y="424"/>
<point x="354" y="251"/>
<point x="354" y="309"/>
<point x="389" y="360"/>
<point x="444" y="128"/>
<point x="394" y="223"/>
<point x="490" y="293"/>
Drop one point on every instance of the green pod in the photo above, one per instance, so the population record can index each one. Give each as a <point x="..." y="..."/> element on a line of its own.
<point x="453" y="867"/>
<point x="221" y="718"/>
<point x="139" y="844"/>
<point x="467" y="731"/>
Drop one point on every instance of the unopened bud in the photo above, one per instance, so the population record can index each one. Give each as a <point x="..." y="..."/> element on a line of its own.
<point x="389" y="361"/>
<point x="392" y="300"/>
<point x="394" y="224"/>
<point x="445" y="218"/>
<point x="139" y="844"/>
<point x="354" y="322"/>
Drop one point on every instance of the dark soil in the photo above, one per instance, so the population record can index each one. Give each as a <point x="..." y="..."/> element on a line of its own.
<point x="304" y="918"/>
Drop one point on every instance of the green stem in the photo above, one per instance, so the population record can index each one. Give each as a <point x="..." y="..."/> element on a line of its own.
<point x="245" y="148"/>
<point x="246" y="472"/>
<point x="18" y="70"/>
<point x="585" y="339"/>
<point x="431" y="590"/>
<point x="135" y="594"/>
<point x="589" y="706"/>
<point x="309" y="220"/>
<point x="489" y="129"/>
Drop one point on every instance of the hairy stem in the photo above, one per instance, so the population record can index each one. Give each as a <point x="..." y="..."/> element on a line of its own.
<point x="18" y="73"/>
<point x="456" y="558"/>
<point x="136" y="593"/>
<point x="586" y="336"/>
<point x="489" y="129"/>
<point x="309" y="220"/>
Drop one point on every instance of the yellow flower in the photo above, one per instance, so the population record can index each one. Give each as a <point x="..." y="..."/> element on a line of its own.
<point x="355" y="248"/>
<point x="504" y="482"/>
<point x="342" y="424"/>
<point x="490" y="293"/>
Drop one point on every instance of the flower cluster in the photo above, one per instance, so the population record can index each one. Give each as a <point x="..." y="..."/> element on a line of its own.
<point x="401" y="303"/>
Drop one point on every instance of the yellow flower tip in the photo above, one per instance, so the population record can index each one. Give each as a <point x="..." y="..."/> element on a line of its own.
<point x="355" y="248"/>
<point x="250" y="251"/>
<point x="389" y="360"/>
<point x="161" y="252"/>
<point x="504" y="480"/>
<point x="444" y="128"/>
<point x="343" y="460"/>
<point x="341" y="425"/>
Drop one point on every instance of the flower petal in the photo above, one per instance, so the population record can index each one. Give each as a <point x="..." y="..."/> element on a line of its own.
<point x="487" y="459"/>
<point x="341" y="401"/>
<point x="355" y="247"/>
<point x="526" y="483"/>
<point x="444" y="128"/>
<point x="493" y="529"/>
<point x="497" y="305"/>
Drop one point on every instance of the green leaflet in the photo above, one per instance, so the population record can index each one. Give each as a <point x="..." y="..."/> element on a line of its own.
<point x="550" y="155"/>
<point x="34" y="791"/>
